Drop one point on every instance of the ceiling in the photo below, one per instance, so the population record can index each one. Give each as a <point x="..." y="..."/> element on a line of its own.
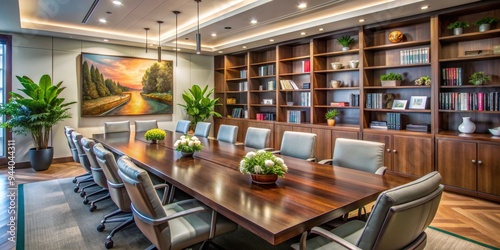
<point x="277" y="20"/>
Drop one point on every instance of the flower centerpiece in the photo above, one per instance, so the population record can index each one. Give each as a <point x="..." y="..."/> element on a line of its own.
<point x="155" y="134"/>
<point x="264" y="166"/>
<point x="187" y="145"/>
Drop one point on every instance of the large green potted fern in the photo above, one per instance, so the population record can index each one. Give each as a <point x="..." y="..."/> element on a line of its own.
<point x="199" y="105"/>
<point x="36" y="114"/>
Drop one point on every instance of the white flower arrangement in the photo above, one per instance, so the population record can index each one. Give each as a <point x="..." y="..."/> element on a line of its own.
<point x="263" y="162"/>
<point x="188" y="144"/>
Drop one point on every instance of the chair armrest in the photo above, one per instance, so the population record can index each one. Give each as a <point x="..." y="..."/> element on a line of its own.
<point x="276" y="152"/>
<point x="211" y="138"/>
<point x="381" y="171"/>
<point x="165" y="192"/>
<point x="326" y="162"/>
<point x="239" y="144"/>
<point x="313" y="159"/>
<point x="115" y="185"/>
<point x="327" y="234"/>
<point x="268" y="149"/>
<point x="155" y="222"/>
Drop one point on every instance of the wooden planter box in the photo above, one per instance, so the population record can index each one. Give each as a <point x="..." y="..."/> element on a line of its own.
<point x="391" y="83"/>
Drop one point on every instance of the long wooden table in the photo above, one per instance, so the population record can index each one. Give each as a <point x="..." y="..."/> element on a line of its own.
<point x="309" y="195"/>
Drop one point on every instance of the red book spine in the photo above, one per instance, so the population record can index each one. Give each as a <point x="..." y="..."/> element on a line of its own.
<point x="480" y="104"/>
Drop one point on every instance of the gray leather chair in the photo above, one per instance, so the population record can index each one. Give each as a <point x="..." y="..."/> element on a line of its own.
<point x="361" y="155"/>
<point x="142" y="126"/>
<point x="67" y="132"/>
<point x="115" y="127"/>
<point x="397" y="221"/>
<point x="119" y="195"/>
<point x="298" y="144"/>
<point x="227" y="133"/>
<point x="173" y="226"/>
<point x="97" y="175"/>
<point x="182" y="126"/>
<point x="257" y="138"/>
<point x="84" y="162"/>
<point x="202" y="129"/>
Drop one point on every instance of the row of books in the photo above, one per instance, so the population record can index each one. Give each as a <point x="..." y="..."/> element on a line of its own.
<point x="339" y="104"/>
<point x="413" y="56"/>
<point x="395" y="121"/>
<point x="288" y="84"/>
<point x="451" y="76"/>
<point x="265" y="116"/>
<point x="239" y="113"/>
<point x="270" y="85"/>
<point x="295" y="116"/>
<point x="378" y="124"/>
<point x="354" y="100"/>
<point x="379" y="100"/>
<point x="470" y="101"/>
<point x="243" y="73"/>
<point x="266" y="70"/>
<point x="305" y="99"/>
<point x="242" y="86"/>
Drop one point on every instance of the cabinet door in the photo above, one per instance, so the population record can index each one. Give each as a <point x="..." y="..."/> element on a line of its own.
<point x="456" y="163"/>
<point x="413" y="155"/>
<point x="323" y="148"/>
<point x="388" y="146"/>
<point x="488" y="168"/>
<point x="278" y="134"/>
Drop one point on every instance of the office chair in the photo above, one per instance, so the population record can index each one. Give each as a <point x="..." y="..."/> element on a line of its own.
<point x="142" y="126"/>
<point x="227" y="133"/>
<point x="84" y="162"/>
<point x="173" y="226"/>
<point x="67" y="132"/>
<point x="182" y="126"/>
<point x="298" y="144"/>
<point x="115" y="127"/>
<point x="257" y="138"/>
<point x="202" y="129"/>
<point x="97" y="174"/>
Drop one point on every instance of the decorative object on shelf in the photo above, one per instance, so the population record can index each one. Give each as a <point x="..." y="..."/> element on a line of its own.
<point x="495" y="131"/>
<point x="289" y="103"/>
<point x="306" y="85"/>
<point x="346" y="41"/>
<point x="388" y="100"/>
<point x="188" y="145"/>
<point x="335" y="83"/>
<point x="154" y="135"/>
<point x="267" y="101"/>
<point x="330" y="116"/>
<point x="399" y="104"/>
<point x="467" y="126"/>
<point x="479" y="78"/>
<point x="354" y="64"/>
<point x="418" y="102"/>
<point x="496" y="49"/>
<point x="479" y="52"/>
<point x="231" y="100"/>
<point x="336" y="65"/>
<point x="396" y="36"/>
<point x="485" y="23"/>
<point x="36" y="114"/>
<point x="199" y="105"/>
<point x="458" y="27"/>
<point x="261" y="162"/>
<point x="391" y="79"/>
<point x="424" y="80"/>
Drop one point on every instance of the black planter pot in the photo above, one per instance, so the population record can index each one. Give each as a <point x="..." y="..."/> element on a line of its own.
<point x="41" y="159"/>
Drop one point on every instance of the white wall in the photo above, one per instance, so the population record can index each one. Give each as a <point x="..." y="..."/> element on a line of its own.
<point x="60" y="58"/>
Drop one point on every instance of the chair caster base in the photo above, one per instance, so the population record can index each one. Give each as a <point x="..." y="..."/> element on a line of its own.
<point x="74" y="180"/>
<point x="108" y="244"/>
<point x="85" y="201"/>
<point x="76" y="189"/>
<point x="82" y="194"/>
<point x="92" y="208"/>
<point x="101" y="227"/>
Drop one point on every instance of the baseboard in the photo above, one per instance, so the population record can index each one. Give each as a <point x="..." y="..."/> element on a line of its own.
<point x="27" y="164"/>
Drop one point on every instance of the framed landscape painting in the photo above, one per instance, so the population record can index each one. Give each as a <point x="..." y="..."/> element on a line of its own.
<point x="116" y="86"/>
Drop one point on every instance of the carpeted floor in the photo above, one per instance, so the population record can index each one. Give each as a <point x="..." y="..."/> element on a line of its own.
<point x="56" y="218"/>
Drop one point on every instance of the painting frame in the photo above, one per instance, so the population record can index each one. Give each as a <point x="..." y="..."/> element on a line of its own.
<point x="418" y="102"/>
<point x="112" y="85"/>
<point x="399" y="104"/>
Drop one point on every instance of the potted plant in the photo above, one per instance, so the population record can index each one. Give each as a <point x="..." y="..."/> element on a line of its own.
<point x="188" y="145"/>
<point x="330" y="116"/>
<point x="424" y="80"/>
<point x="485" y="23"/>
<point x="36" y="114"/>
<point x="155" y="135"/>
<point x="345" y="41"/>
<point x="199" y="105"/>
<point x="264" y="166"/>
<point x="479" y="78"/>
<point x="458" y="27"/>
<point x="391" y="79"/>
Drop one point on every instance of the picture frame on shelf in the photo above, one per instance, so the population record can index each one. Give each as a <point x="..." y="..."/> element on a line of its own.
<point x="267" y="101"/>
<point x="399" y="104"/>
<point x="418" y="102"/>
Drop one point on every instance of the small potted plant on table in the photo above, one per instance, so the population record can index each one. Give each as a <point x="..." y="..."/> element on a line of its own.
<point x="485" y="23"/>
<point x="458" y="27"/>
<point x="264" y="166"/>
<point x="188" y="145"/>
<point x="345" y="41"/>
<point x="155" y="135"/>
<point x="391" y="79"/>
<point x="330" y="116"/>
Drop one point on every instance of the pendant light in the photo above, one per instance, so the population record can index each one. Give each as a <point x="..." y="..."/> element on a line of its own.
<point x="198" y="35"/>
<point x="146" y="29"/>
<point x="176" y="12"/>
<point x="159" y="43"/>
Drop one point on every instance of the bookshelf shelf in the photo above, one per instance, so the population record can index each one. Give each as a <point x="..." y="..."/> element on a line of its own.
<point x="335" y="70"/>
<point x="236" y="79"/>
<point x="398" y="66"/>
<point x="260" y="77"/>
<point x="298" y="58"/>
<point x="332" y="107"/>
<point x="337" y="89"/>
<point x="263" y="63"/>
<point x="295" y="74"/>
<point x="470" y="58"/>
<point x="398" y="45"/>
<point x="337" y="53"/>
<point x="399" y="111"/>
<point x="238" y="67"/>
<point x="470" y="36"/>
<point x="399" y="87"/>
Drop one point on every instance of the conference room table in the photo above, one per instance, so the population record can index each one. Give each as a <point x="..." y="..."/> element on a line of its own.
<point x="309" y="195"/>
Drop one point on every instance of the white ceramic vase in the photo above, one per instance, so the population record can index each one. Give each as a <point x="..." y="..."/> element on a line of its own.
<point x="467" y="126"/>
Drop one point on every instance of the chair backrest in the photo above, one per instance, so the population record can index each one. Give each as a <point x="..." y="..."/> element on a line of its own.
<point x="115" y="127"/>
<point x="141" y="126"/>
<point x="67" y="132"/>
<point x="400" y="215"/>
<point x="182" y="126"/>
<point x="97" y="174"/>
<point x="117" y="191"/>
<point x="257" y="138"/>
<point x="202" y="129"/>
<point x="298" y="144"/>
<point x="84" y="161"/>
<point x="227" y="133"/>
<point x="358" y="154"/>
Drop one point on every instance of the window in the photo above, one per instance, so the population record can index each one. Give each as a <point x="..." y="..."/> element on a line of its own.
<point x="5" y="87"/>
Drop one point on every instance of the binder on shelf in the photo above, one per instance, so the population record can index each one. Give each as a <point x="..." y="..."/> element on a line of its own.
<point x="243" y="73"/>
<point x="306" y="66"/>
<point x="295" y="116"/>
<point x="271" y="85"/>
<point x="243" y="86"/>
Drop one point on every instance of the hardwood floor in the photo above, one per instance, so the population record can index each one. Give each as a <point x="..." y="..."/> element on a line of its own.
<point x="469" y="217"/>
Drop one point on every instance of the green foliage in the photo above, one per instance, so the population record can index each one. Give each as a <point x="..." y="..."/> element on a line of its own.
<point x="458" y="24"/>
<point x="479" y="78"/>
<point x="94" y="86"/>
<point x="485" y="20"/>
<point x="38" y="112"/>
<point x="332" y="113"/>
<point x="262" y="162"/>
<point x="155" y="134"/>
<point x="188" y="144"/>
<point x="346" y="40"/>
<point x="391" y="77"/>
<point x="424" y="80"/>
<point x="158" y="78"/>
<point x="199" y="105"/>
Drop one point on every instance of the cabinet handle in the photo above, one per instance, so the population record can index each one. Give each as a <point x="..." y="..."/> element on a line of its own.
<point x="394" y="151"/>
<point x="388" y="150"/>
<point x="479" y="162"/>
<point x="473" y="161"/>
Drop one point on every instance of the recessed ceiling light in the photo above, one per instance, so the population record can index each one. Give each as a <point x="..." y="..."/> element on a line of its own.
<point x="105" y="40"/>
<point x="214" y="34"/>
<point x="271" y="40"/>
<point x="320" y="29"/>
<point x="220" y="52"/>
<point x="361" y="20"/>
<point x="425" y="7"/>
<point x="302" y="5"/>
<point x="117" y="2"/>
<point x="244" y="47"/>
<point x="254" y="21"/>
<point x="302" y="33"/>
<point x="102" y="20"/>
